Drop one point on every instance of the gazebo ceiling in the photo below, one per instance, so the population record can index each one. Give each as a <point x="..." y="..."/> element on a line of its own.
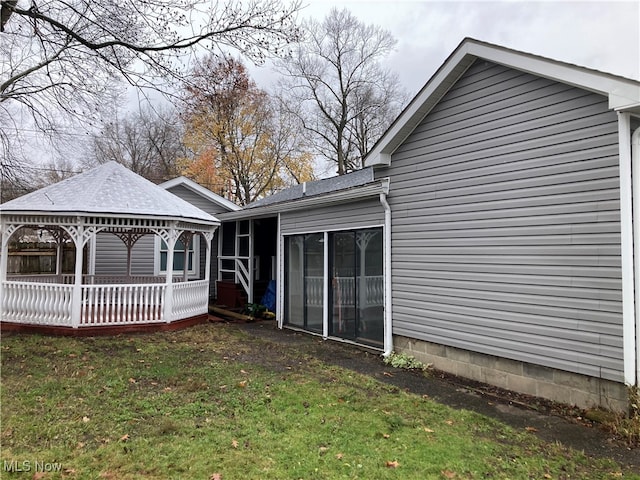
<point x="108" y="190"/>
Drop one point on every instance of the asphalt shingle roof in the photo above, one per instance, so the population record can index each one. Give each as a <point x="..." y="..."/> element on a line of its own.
<point x="108" y="189"/>
<point x="318" y="187"/>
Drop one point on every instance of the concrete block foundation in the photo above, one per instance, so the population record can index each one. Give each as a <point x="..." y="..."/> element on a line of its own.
<point x="556" y="385"/>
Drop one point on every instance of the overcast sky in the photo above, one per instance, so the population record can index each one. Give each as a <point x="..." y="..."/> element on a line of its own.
<point x="603" y="35"/>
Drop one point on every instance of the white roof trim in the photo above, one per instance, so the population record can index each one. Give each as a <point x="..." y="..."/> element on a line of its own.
<point x="623" y="93"/>
<point x="200" y="190"/>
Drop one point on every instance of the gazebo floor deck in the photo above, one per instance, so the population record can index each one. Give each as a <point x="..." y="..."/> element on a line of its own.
<point x="97" y="330"/>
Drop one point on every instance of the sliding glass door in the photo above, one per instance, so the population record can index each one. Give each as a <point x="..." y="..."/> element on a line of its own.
<point x="354" y="279"/>
<point x="357" y="285"/>
<point x="304" y="281"/>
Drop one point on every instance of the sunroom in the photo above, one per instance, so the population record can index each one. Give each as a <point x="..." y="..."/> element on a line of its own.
<point x="330" y="249"/>
<point x="108" y="200"/>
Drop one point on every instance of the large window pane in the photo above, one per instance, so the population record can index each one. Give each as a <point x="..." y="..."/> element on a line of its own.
<point x="370" y="327"/>
<point x="343" y="286"/>
<point x="357" y="285"/>
<point x="294" y="281"/>
<point x="178" y="256"/>
<point x="314" y="280"/>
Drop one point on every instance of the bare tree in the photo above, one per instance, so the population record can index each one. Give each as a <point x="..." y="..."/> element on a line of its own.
<point x="148" y="142"/>
<point x="239" y="128"/>
<point x="339" y="89"/>
<point x="59" y="59"/>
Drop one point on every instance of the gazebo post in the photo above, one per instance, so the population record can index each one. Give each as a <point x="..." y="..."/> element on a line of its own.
<point x="5" y="235"/>
<point x="208" y="237"/>
<point x="172" y="237"/>
<point x="77" y="237"/>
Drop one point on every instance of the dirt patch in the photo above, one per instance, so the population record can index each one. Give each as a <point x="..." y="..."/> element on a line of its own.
<point x="550" y="421"/>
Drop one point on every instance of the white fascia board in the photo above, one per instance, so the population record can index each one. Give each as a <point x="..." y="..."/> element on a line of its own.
<point x="355" y="193"/>
<point x="418" y="108"/>
<point x="622" y="93"/>
<point x="200" y="190"/>
<point x="52" y="218"/>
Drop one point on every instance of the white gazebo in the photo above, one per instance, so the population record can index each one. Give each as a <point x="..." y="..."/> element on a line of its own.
<point x="109" y="199"/>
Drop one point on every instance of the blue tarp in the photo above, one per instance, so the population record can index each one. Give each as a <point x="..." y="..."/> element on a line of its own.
<point x="269" y="298"/>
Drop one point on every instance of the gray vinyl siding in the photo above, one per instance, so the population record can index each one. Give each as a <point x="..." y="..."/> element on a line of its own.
<point x="111" y="255"/>
<point x="347" y="216"/>
<point x="212" y="209"/>
<point x="197" y="200"/>
<point x="506" y="224"/>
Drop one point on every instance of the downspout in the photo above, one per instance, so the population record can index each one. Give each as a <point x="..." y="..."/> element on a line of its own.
<point x="629" y="317"/>
<point x="325" y="286"/>
<point x="279" y="277"/>
<point x="388" y="336"/>
<point x="635" y="193"/>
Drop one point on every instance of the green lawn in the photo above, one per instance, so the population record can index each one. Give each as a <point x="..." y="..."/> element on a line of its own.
<point x="211" y="402"/>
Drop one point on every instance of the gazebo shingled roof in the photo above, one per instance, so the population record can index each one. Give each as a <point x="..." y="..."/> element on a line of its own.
<point x="107" y="189"/>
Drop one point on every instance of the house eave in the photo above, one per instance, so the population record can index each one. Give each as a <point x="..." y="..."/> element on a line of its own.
<point x="356" y="193"/>
<point x="200" y="190"/>
<point x="622" y="93"/>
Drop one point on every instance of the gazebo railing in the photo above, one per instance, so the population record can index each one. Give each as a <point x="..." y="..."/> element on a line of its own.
<point x="190" y="298"/>
<point x="67" y="278"/>
<point x="50" y="304"/>
<point x="121" y="304"/>
<point x="36" y="303"/>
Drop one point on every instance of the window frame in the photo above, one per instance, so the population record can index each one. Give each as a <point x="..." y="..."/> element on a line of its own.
<point x="194" y="271"/>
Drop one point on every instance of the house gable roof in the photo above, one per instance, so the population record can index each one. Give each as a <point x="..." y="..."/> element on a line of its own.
<point x="107" y="190"/>
<point x="623" y="93"/>
<point x="200" y="190"/>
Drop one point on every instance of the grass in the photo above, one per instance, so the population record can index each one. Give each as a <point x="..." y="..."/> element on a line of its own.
<point x="211" y="403"/>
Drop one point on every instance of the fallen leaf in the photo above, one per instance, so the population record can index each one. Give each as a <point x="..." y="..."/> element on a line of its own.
<point x="85" y="419"/>
<point x="385" y="435"/>
<point x="449" y="422"/>
<point x="234" y="443"/>
<point x="322" y="450"/>
<point x="39" y="475"/>
<point x="242" y="384"/>
<point x="546" y="475"/>
<point x="531" y="429"/>
<point x="125" y="437"/>
<point x="393" y="464"/>
<point x="243" y="371"/>
<point x="448" y="474"/>
<point x="132" y="380"/>
<point x="339" y="456"/>
<point x="428" y="430"/>
<point x="216" y="476"/>
<point x="70" y="471"/>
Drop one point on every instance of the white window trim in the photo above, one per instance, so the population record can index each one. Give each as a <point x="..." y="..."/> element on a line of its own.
<point x="193" y="272"/>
